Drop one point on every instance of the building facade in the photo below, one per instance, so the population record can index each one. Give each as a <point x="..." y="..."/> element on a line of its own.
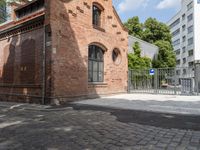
<point x="185" y="31"/>
<point x="62" y="50"/>
<point x="147" y="49"/>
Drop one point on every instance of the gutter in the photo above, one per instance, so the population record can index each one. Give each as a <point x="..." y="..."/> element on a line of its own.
<point x="44" y="68"/>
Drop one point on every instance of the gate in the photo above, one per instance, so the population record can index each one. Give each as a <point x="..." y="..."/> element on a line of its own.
<point x="174" y="81"/>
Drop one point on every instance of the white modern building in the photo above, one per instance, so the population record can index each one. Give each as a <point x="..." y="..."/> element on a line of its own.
<point x="185" y="30"/>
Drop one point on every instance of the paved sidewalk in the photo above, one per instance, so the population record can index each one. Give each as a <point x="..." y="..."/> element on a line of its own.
<point x="157" y="103"/>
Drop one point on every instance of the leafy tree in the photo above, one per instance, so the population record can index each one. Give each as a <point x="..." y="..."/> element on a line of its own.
<point x="2" y="14"/>
<point x="137" y="50"/>
<point x="154" y="31"/>
<point x="134" y="27"/>
<point x="135" y="61"/>
<point x="166" y="56"/>
<point x="157" y="33"/>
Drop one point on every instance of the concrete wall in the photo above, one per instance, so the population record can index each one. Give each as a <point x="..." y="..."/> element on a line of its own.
<point x="197" y="30"/>
<point x="148" y="49"/>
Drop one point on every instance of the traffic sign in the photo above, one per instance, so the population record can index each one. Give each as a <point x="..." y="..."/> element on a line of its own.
<point x="152" y="72"/>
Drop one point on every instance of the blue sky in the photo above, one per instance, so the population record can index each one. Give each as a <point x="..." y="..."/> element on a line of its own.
<point x="162" y="10"/>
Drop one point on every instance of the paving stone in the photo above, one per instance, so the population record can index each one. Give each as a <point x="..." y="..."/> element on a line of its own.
<point x="87" y="129"/>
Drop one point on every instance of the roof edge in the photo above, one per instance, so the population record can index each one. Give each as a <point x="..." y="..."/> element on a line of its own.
<point x="130" y="36"/>
<point x="118" y="18"/>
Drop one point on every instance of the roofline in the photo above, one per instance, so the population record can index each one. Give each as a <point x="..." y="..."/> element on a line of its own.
<point x="20" y="21"/>
<point x="22" y="24"/>
<point x="173" y="17"/>
<point x="118" y="18"/>
<point x="133" y="37"/>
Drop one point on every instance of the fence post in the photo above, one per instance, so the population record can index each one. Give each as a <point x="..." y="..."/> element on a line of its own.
<point x="129" y="81"/>
<point x="175" y="82"/>
<point x="197" y="76"/>
<point x="156" y="81"/>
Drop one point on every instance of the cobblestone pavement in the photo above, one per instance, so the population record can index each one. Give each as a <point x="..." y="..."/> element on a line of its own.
<point x="87" y="129"/>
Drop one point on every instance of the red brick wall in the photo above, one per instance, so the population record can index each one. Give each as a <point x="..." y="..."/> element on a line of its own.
<point x="72" y="33"/>
<point x="68" y="37"/>
<point x="21" y="66"/>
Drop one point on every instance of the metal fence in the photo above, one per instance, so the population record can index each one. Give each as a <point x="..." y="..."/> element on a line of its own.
<point x="177" y="81"/>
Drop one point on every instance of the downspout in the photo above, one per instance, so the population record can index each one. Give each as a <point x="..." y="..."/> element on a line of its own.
<point x="44" y="68"/>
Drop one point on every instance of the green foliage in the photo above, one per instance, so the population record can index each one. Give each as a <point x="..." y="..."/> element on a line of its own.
<point x="154" y="31"/>
<point x="2" y="13"/>
<point x="166" y="56"/>
<point x="134" y="27"/>
<point x="135" y="61"/>
<point x="137" y="50"/>
<point x="157" y="33"/>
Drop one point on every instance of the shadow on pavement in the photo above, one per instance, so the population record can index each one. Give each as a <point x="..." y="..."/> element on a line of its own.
<point x="162" y="120"/>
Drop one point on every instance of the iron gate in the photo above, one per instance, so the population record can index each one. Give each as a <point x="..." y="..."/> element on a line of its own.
<point x="177" y="81"/>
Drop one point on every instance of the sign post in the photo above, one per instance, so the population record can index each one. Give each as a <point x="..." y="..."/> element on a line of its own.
<point x="151" y="72"/>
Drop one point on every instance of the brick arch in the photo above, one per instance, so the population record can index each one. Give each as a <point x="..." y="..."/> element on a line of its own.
<point x="104" y="48"/>
<point x="97" y="4"/>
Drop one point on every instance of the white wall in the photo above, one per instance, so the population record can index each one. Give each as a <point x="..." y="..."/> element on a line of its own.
<point x="148" y="50"/>
<point x="197" y="29"/>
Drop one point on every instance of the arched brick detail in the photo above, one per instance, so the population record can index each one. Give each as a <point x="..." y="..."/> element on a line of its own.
<point x="98" y="5"/>
<point x="100" y="45"/>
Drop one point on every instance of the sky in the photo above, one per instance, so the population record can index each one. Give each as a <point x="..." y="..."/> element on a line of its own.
<point x="162" y="10"/>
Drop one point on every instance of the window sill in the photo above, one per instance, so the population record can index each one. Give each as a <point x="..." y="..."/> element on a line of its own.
<point x="97" y="83"/>
<point x="99" y="28"/>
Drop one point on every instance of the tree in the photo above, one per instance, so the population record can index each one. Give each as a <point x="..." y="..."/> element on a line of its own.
<point x="135" y="61"/>
<point x="155" y="31"/>
<point x="134" y="27"/>
<point x="166" y="56"/>
<point x="2" y="11"/>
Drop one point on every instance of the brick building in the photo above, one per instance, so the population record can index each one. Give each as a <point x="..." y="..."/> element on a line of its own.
<point x="62" y="50"/>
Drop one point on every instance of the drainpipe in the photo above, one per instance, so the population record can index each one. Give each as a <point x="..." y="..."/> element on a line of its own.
<point x="44" y="68"/>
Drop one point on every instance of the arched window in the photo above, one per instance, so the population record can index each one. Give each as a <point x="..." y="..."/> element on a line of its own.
<point x="96" y="16"/>
<point x="95" y="64"/>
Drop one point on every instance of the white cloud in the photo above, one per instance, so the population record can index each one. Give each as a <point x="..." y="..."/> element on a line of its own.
<point x="129" y="5"/>
<point x="166" y="4"/>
